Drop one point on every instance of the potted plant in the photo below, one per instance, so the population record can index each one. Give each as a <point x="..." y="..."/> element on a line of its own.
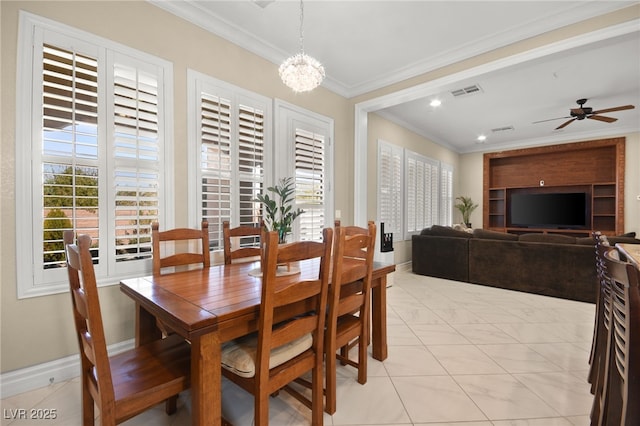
<point x="279" y="209"/>
<point x="466" y="206"/>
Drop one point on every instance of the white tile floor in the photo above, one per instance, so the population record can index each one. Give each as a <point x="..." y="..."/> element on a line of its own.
<point x="459" y="354"/>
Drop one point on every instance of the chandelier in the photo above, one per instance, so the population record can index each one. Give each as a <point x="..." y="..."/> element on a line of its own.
<point x="301" y="72"/>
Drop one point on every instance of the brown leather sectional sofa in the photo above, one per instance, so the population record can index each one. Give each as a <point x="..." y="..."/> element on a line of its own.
<point x="548" y="264"/>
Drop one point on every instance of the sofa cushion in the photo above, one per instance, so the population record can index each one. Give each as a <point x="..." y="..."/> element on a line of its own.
<point x="493" y="235"/>
<point x="624" y="240"/>
<point x="445" y="231"/>
<point x="547" y="238"/>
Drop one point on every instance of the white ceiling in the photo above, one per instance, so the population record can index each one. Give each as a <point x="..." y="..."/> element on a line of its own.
<point x="366" y="45"/>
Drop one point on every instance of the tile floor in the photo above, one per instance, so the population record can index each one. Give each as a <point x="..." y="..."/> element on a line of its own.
<point x="459" y="354"/>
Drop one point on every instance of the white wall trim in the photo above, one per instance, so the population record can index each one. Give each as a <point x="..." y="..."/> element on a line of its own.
<point x="47" y="373"/>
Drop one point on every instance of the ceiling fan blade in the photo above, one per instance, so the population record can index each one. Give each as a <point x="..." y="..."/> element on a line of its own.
<point x="550" y="119"/>
<point x="566" y="123"/>
<point x="603" y="118"/>
<point x="620" y="108"/>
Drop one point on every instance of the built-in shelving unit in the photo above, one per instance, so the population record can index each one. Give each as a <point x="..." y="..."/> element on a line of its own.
<point x="594" y="167"/>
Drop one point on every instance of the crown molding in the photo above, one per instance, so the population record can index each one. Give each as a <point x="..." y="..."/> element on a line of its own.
<point x="194" y="12"/>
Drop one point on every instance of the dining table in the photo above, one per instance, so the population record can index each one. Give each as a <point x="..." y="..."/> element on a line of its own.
<point x="213" y="305"/>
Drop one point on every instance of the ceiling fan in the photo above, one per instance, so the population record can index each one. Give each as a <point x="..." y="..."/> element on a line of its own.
<point x="583" y="112"/>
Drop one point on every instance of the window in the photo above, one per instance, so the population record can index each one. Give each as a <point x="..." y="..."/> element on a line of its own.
<point x="429" y="189"/>
<point x="390" y="194"/>
<point x="230" y="144"/>
<point x="92" y="117"/>
<point x="446" y="194"/>
<point x="414" y="191"/>
<point x="304" y="150"/>
<point x="422" y="187"/>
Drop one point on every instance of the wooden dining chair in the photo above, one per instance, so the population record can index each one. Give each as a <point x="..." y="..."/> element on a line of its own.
<point x="619" y="404"/>
<point x="603" y="312"/>
<point x="240" y="234"/>
<point x="171" y="247"/>
<point x="290" y="337"/>
<point x="124" y="385"/>
<point x="349" y="303"/>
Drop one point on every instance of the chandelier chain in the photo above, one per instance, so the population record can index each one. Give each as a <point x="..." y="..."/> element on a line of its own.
<point x="301" y="27"/>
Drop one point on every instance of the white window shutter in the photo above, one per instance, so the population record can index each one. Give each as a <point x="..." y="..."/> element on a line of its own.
<point x="310" y="174"/>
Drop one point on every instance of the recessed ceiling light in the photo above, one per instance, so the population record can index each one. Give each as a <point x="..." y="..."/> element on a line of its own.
<point x="481" y="138"/>
<point x="436" y="103"/>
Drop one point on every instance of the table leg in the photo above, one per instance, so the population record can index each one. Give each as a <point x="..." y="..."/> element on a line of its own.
<point x="379" y="318"/>
<point x="206" y="380"/>
<point x="146" y="328"/>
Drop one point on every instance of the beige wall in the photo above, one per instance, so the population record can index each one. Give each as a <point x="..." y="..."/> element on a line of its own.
<point x="381" y="128"/>
<point x="39" y="329"/>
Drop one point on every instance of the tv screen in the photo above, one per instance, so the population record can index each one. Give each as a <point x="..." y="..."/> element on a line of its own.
<point x="558" y="210"/>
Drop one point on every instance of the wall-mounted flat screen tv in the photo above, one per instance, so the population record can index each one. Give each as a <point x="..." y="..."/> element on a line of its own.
<point x="549" y="210"/>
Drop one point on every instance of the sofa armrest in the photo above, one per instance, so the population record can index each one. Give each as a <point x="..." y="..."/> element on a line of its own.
<point x="442" y="257"/>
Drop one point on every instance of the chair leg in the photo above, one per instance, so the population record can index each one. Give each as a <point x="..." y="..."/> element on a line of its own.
<point x="316" y="397"/>
<point x="171" y="405"/>
<point x="261" y="415"/>
<point x="362" y="360"/>
<point x="88" y="412"/>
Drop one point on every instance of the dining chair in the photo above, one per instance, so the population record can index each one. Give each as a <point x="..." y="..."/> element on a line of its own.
<point x="240" y="234"/>
<point x="171" y="247"/>
<point x="124" y="385"/>
<point x="290" y="337"/>
<point x="603" y="310"/>
<point x="349" y="303"/>
<point x="618" y="404"/>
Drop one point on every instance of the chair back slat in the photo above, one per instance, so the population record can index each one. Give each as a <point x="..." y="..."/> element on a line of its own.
<point x="171" y="248"/>
<point x="88" y="316"/>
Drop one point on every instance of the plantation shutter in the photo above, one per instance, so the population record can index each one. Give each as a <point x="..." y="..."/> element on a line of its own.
<point x="390" y="193"/>
<point x="232" y="128"/>
<point x="250" y="163"/>
<point x="215" y="163"/>
<point x="69" y="151"/>
<point x="310" y="178"/>
<point x="137" y="165"/>
<point x="422" y="192"/>
<point x="446" y="195"/>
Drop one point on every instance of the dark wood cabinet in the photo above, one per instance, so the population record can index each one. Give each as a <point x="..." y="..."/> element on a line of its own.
<point x="593" y="167"/>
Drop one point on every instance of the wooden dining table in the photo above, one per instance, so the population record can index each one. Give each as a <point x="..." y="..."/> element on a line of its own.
<point x="213" y="305"/>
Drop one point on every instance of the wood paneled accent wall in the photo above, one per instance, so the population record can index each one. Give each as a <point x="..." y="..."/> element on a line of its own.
<point x="596" y="167"/>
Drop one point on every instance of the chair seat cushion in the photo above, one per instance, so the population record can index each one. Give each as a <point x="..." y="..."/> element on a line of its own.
<point x="238" y="356"/>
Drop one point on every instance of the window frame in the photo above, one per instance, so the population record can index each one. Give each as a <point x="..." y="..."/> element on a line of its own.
<point x="34" y="29"/>
<point x="196" y="83"/>
<point x="288" y="118"/>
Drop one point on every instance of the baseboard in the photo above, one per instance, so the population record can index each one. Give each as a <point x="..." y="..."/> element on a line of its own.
<point x="404" y="267"/>
<point x="41" y="375"/>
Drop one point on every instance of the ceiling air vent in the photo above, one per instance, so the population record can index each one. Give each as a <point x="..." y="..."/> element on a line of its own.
<point x="502" y="129"/>
<point x="465" y="91"/>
